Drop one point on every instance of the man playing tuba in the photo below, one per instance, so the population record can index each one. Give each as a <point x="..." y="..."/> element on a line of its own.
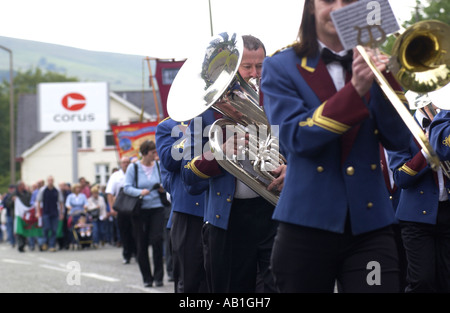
<point x="239" y="230"/>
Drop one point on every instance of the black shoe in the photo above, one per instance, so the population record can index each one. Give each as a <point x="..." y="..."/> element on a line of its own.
<point x="148" y="284"/>
<point x="126" y="261"/>
<point x="159" y="283"/>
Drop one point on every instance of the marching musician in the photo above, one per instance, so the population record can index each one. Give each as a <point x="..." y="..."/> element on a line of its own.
<point x="422" y="204"/>
<point x="334" y="211"/>
<point x="424" y="208"/>
<point x="186" y="218"/>
<point x="238" y="232"/>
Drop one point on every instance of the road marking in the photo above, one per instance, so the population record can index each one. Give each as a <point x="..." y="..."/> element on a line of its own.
<point x="55" y="268"/>
<point x="16" y="261"/>
<point x="50" y="261"/>
<point x="90" y="275"/>
<point x="100" y="277"/>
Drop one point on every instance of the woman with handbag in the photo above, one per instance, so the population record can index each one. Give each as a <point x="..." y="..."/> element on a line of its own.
<point x="148" y="221"/>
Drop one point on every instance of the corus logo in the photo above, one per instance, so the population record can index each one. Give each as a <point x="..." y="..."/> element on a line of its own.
<point x="73" y="101"/>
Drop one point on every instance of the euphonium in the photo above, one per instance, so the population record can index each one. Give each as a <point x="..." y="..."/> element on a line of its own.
<point x="211" y="80"/>
<point x="420" y="62"/>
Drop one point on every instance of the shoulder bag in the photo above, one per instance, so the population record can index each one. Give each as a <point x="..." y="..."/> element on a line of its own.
<point x="127" y="204"/>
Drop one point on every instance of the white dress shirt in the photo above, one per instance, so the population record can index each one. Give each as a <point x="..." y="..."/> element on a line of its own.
<point x="337" y="72"/>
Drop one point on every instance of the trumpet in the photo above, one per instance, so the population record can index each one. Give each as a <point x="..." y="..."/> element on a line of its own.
<point x="420" y="62"/>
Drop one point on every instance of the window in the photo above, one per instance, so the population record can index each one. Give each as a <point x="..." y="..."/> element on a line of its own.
<point x="109" y="135"/>
<point x="84" y="139"/>
<point x="109" y="138"/>
<point x="101" y="173"/>
<point x="168" y="75"/>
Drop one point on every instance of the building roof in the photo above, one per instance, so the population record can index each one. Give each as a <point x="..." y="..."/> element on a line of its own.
<point x="28" y="135"/>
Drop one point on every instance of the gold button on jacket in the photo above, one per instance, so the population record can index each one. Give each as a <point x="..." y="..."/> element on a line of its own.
<point x="350" y="170"/>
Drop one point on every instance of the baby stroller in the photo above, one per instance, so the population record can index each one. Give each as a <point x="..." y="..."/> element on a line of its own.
<point x="82" y="232"/>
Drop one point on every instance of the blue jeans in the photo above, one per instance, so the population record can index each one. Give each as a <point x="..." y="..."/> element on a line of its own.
<point x="10" y="230"/>
<point x="49" y="229"/>
<point x="97" y="231"/>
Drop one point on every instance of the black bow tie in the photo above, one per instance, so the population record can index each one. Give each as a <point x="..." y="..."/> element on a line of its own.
<point x="426" y="122"/>
<point x="346" y="60"/>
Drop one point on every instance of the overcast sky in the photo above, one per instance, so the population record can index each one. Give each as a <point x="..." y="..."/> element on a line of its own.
<point x="161" y="29"/>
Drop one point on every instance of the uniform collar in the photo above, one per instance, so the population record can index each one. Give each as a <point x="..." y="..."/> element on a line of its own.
<point x="322" y="45"/>
<point x="420" y="116"/>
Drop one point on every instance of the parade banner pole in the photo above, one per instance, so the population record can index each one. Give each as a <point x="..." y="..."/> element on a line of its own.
<point x="154" y="94"/>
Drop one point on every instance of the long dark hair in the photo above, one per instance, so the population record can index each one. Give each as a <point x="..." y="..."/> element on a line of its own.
<point x="307" y="44"/>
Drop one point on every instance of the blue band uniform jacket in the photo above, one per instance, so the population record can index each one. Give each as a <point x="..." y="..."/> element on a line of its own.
<point x="440" y="134"/>
<point x="170" y="148"/>
<point x="200" y="167"/>
<point x="331" y="142"/>
<point x="419" y="198"/>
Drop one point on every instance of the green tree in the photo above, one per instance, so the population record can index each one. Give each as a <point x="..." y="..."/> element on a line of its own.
<point x="24" y="82"/>
<point x="424" y="10"/>
<point x="437" y="10"/>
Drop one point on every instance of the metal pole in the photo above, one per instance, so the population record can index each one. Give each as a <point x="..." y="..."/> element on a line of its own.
<point x="12" y="157"/>
<point x="155" y="99"/>
<point x="210" y="18"/>
<point x="74" y="157"/>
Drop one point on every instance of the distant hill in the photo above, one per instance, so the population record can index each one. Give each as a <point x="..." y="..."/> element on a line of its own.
<point x="122" y="71"/>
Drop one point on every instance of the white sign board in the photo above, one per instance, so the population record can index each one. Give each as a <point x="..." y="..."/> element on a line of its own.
<point x="73" y="106"/>
<point x="365" y="22"/>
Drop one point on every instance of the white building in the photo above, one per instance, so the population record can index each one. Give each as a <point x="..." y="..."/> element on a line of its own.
<point x="43" y="154"/>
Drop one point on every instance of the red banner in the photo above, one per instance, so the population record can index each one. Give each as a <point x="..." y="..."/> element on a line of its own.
<point x="165" y="74"/>
<point x="129" y="137"/>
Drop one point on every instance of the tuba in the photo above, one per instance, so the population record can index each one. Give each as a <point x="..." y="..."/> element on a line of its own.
<point x="420" y="62"/>
<point x="211" y="80"/>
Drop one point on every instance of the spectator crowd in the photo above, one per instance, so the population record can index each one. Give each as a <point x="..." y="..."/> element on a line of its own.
<point x="59" y="213"/>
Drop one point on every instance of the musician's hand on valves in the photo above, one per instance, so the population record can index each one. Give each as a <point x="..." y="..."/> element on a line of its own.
<point x="235" y="146"/>
<point x="278" y="182"/>
<point x="363" y="76"/>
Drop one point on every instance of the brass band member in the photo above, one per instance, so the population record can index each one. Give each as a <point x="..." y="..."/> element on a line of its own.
<point x="334" y="211"/>
<point x="239" y="230"/>
<point x="424" y="207"/>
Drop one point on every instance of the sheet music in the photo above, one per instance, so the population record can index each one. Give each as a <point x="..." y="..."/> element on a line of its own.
<point x="359" y="20"/>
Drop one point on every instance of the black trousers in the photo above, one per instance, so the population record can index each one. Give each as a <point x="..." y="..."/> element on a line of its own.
<point x="126" y="235"/>
<point x="148" y="227"/>
<point x="428" y="253"/>
<point x="187" y="253"/>
<point x="238" y="259"/>
<point x="312" y="260"/>
<point x="402" y="261"/>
